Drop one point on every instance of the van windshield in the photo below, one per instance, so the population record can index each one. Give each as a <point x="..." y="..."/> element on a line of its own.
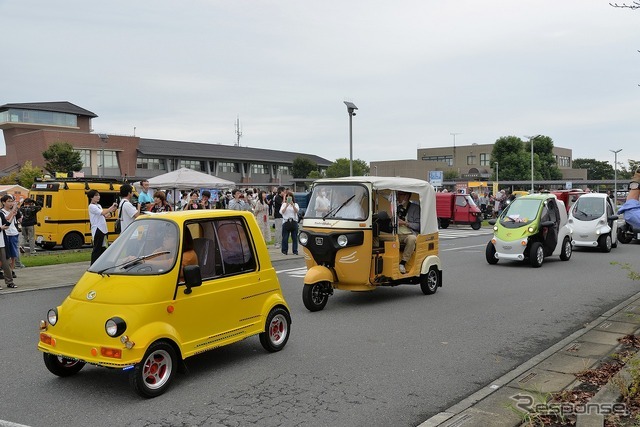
<point x="588" y="208"/>
<point x="520" y="212"/>
<point x="147" y="246"/>
<point x="339" y="201"/>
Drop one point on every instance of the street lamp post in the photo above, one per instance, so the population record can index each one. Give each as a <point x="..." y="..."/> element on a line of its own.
<point x="453" y="161"/>
<point x="531" y="139"/>
<point x="103" y="137"/>
<point x="615" y="177"/>
<point x="497" y="169"/>
<point x="351" y="110"/>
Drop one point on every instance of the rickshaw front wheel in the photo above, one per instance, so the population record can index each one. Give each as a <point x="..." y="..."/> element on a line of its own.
<point x="315" y="296"/>
<point x="429" y="282"/>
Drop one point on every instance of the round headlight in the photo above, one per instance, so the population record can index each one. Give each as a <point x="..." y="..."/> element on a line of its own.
<point x="52" y="316"/>
<point x="115" y="327"/>
<point x="530" y="229"/>
<point x="342" y="240"/>
<point x="495" y="228"/>
<point x="303" y="238"/>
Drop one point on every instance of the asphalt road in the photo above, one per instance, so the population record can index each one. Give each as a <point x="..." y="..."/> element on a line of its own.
<point x="389" y="357"/>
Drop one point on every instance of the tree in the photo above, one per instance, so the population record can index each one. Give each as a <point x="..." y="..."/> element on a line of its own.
<point x="596" y="169"/>
<point x="61" y="157"/>
<point x="545" y="166"/>
<point x="514" y="159"/>
<point x="450" y="175"/>
<point x="302" y="167"/>
<point x="28" y="174"/>
<point x="340" y="168"/>
<point x="315" y="175"/>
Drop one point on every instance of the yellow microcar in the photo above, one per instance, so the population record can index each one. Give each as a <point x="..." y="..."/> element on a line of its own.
<point x="171" y="286"/>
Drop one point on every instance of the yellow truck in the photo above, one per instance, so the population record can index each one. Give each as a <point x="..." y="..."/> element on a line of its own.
<point x="64" y="218"/>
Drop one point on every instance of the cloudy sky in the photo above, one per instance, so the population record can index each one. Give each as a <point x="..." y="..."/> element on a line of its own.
<point x="418" y="70"/>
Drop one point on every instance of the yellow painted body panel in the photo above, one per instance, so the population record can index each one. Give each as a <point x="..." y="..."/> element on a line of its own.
<point x="222" y="310"/>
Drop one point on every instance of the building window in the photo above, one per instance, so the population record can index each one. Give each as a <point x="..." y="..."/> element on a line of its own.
<point x="446" y="159"/>
<point x="228" y="167"/>
<point x="283" y="170"/>
<point x="564" y="161"/>
<point x="485" y="159"/>
<point x="85" y="157"/>
<point x="40" y="117"/>
<point x="259" y="169"/>
<point x="196" y="165"/>
<point x="151" y="164"/>
<point x="471" y="160"/>
<point x="110" y="159"/>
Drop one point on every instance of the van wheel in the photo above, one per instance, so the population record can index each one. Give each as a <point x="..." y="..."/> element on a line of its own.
<point x="429" y="282"/>
<point x="276" y="330"/>
<point x="566" y="251"/>
<point x="61" y="366"/>
<point x="152" y="376"/>
<point x="314" y="297"/>
<point x="444" y="223"/>
<point x="604" y="242"/>
<point x="536" y="254"/>
<point x="490" y="254"/>
<point x="476" y="225"/>
<point x="73" y="240"/>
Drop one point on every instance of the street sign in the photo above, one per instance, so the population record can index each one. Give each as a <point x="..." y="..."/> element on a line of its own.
<point x="435" y="178"/>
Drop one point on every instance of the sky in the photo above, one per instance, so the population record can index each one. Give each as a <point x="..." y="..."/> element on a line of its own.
<point x="418" y="71"/>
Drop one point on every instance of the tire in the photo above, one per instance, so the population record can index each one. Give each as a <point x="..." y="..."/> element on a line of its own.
<point x="623" y="237"/>
<point x="476" y="225"/>
<point x="153" y="375"/>
<point x="429" y="282"/>
<point x="536" y="254"/>
<point x="73" y="240"/>
<point x="313" y="298"/>
<point x="490" y="254"/>
<point x="61" y="366"/>
<point x="48" y="246"/>
<point x="444" y="223"/>
<point x="567" y="250"/>
<point x="276" y="330"/>
<point x="604" y="242"/>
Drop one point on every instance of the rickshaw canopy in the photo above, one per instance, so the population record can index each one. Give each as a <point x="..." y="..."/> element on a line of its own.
<point x="425" y="191"/>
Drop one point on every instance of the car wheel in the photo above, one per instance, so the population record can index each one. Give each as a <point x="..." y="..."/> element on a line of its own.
<point x="313" y="296"/>
<point x="444" y="223"/>
<point x="490" y="253"/>
<point x="604" y="242"/>
<point x="536" y="254"/>
<point x="61" y="366"/>
<point x="153" y="375"/>
<point x="623" y="237"/>
<point x="73" y="241"/>
<point x="567" y="250"/>
<point x="429" y="282"/>
<point x="276" y="330"/>
<point x="476" y="225"/>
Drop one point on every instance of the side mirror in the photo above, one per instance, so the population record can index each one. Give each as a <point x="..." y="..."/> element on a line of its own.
<point x="613" y="217"/>
<point x="192" y="277"/>
<point x="492" y="221"/>
<point x="547" y="224"/>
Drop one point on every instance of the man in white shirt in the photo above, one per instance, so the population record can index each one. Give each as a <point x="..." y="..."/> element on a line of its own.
<point x="128" y="212"/>
<point x="97" y="219"/>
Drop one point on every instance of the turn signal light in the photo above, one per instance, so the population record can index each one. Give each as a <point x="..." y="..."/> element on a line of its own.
<point x="114" y="353"/>
<point x="46" y="339"/>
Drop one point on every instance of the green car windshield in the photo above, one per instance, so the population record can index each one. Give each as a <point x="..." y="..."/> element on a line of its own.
<point x="520" y="212"/>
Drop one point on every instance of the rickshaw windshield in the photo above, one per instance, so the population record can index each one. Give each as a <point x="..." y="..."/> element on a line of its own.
<point x="339" y="201"/>
<point x="147" y="246"/>
<point x="520" y="212"/>
<point x="588" y="208"/>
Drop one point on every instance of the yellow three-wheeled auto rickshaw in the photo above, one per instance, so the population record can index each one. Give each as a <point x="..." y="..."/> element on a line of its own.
<point x="352" y="237"/>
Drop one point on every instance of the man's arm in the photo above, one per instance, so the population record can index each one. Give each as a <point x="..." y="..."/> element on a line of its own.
<point x="413" y="217"/>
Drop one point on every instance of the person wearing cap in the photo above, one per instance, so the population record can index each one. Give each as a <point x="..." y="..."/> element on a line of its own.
<point x="29" y="210"/>
<point x="7" y="220"/>
<point x="631" y="208"/>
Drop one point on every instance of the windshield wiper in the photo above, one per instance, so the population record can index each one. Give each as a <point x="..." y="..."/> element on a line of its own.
<point x="336" y="210"/>
<point x="133" y="262"/>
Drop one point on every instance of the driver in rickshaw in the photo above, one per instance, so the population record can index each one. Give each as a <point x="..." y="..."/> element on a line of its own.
<point x="408" y="227"/>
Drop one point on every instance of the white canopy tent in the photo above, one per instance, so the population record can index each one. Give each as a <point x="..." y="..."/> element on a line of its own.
<point x="186" y="179"/>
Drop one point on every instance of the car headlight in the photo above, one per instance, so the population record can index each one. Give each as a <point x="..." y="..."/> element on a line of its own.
<point x="495" y="228"/>
<point x="115" y="326"/>
<point x="342" y="240"/>
<point x="52" y="316"/>
<point x="303" y="238"/>
<point x="530" y="229"/>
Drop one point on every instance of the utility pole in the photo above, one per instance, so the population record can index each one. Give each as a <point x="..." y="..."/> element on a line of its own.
<point x="238" y="131"/>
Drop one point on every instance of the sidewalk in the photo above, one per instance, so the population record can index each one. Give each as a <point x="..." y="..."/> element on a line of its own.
<point x="55" y="276"/>
<point x="549" y="372"/>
